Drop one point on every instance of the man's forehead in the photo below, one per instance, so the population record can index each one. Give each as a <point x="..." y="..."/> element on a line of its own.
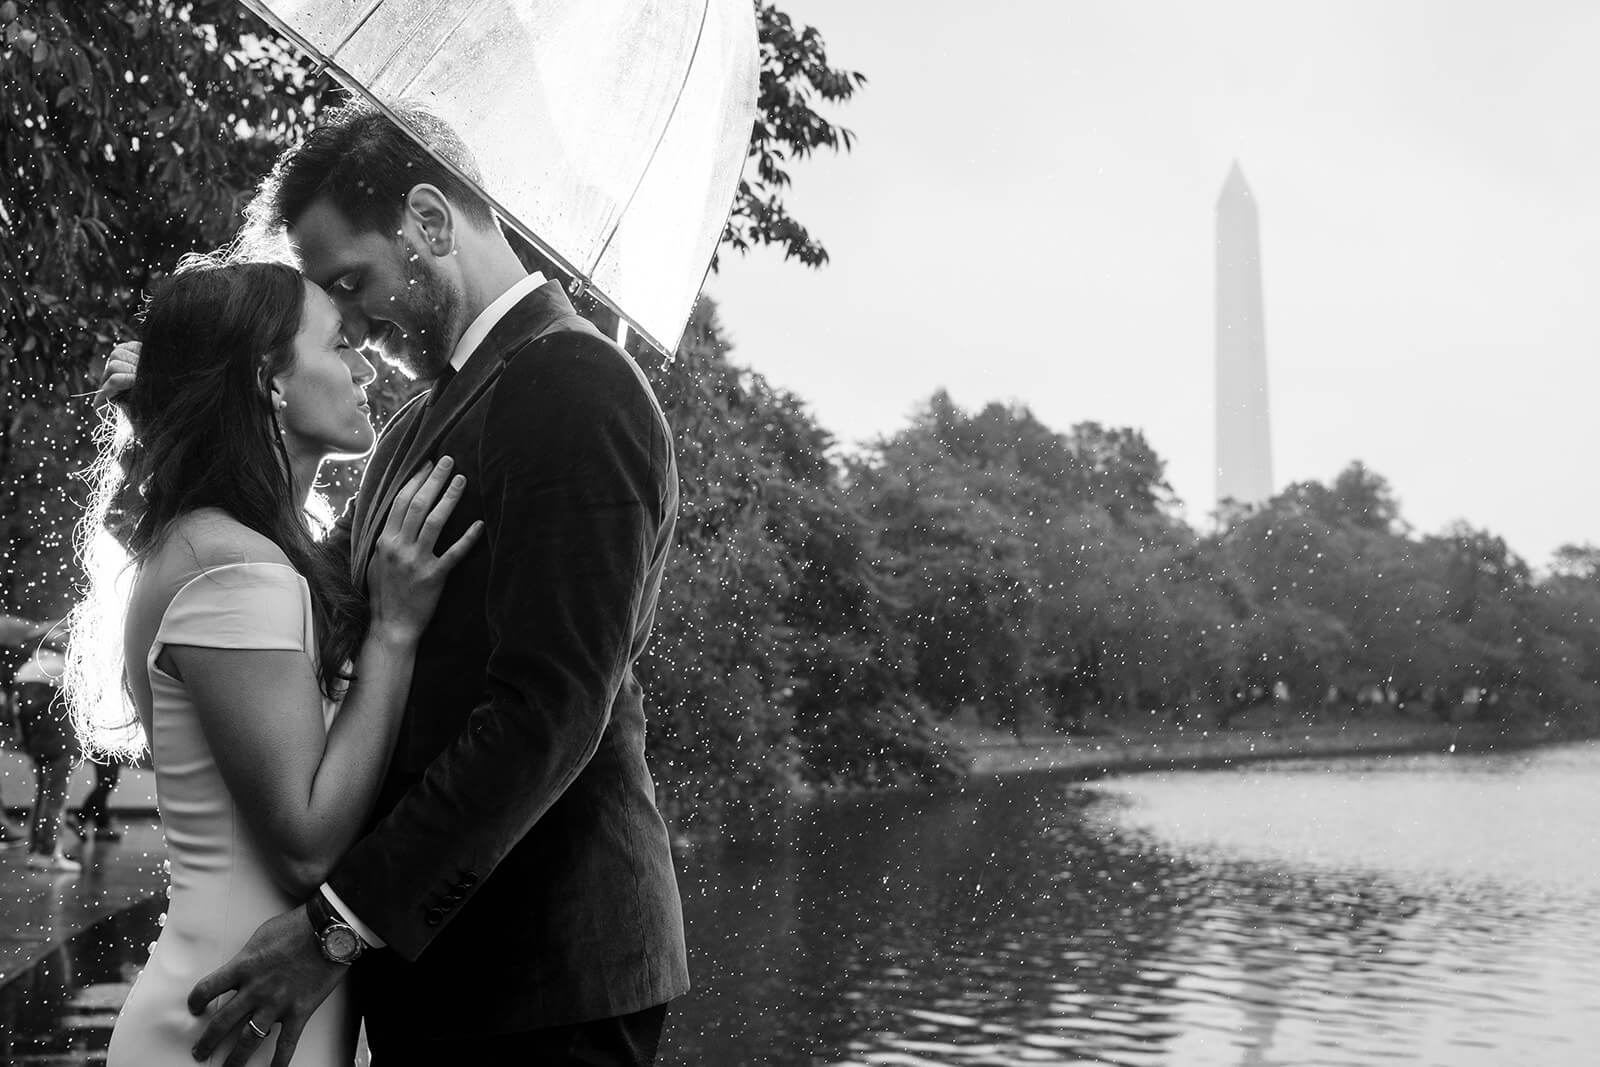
<point x="326" y="245"/>
<point x="315" y="260"/>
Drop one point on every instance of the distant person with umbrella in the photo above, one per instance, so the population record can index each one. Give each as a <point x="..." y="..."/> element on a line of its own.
<point x="92" y="820"/>
<point x="17" y="634"/>
<point x="45" y="733"/>
<point x="48" y="739"/>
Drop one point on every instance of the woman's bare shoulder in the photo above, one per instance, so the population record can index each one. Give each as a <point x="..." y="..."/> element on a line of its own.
<point x="209" y="537"/>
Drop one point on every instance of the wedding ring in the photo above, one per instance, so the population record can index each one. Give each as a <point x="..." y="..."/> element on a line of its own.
<point x="254" y="1029"/>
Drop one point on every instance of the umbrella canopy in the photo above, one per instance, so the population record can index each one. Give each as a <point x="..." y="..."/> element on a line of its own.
<point x="609" y="133"/>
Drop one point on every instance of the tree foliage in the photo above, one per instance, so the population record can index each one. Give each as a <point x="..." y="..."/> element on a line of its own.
<point x="132" y="135"/>
<point x="776" y="661"/>
<point x="795" y="78"/>
<point x="1048" y="577"/>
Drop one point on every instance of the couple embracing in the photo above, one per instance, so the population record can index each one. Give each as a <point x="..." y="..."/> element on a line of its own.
<point x="401" y="769"/>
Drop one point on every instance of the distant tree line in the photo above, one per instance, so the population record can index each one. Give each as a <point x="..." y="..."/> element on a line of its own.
<point x="822" y="612"/>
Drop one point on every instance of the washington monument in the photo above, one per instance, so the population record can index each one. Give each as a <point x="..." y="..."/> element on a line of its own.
<point x="1244" y="426"/>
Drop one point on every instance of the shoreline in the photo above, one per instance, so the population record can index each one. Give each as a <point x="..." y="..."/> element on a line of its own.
<point x="1097" y="756"/>
<point x="1113" y="747"/>
<point x="1122" y="748"/>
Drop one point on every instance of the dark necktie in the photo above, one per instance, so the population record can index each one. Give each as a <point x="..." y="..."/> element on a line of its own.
<point x="440" y="384"/>
<point x="398" y="456"/>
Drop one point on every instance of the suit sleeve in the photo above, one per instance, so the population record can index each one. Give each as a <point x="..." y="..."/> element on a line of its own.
<point x="572" y="466"/>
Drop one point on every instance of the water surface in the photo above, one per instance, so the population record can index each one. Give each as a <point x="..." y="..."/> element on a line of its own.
<point x="1418" y="910"/>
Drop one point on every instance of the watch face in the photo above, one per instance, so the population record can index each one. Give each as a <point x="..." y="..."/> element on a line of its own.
<point x="340" y="944"/>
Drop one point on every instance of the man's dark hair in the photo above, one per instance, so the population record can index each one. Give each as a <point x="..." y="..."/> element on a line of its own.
<point x="365" y="165"/>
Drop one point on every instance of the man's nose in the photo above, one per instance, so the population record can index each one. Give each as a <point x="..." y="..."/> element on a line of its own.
<point x="361" y="369"/>
<point x="357" y="327"/>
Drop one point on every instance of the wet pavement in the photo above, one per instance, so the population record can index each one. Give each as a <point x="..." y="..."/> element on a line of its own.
<point x="41" y="909"/>
<point x="68" y="941"/>
<point x="60" y="1011"/>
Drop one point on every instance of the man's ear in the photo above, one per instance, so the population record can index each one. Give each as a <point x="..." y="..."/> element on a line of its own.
<point x="435" y="216"/>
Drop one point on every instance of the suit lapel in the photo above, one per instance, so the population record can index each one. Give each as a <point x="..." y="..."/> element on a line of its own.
<point x="542" y="311"/>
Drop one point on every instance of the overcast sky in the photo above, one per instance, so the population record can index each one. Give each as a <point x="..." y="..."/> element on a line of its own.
<point x="1029" y="216"/>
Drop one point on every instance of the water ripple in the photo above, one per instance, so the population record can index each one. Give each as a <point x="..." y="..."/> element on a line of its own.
<point x="1369" y="912"/>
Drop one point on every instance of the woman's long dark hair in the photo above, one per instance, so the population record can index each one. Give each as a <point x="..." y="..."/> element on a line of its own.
<point x="198" y="430"/>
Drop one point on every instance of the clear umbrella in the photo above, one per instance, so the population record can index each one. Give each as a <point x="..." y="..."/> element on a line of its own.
<point x="609" y="133"/>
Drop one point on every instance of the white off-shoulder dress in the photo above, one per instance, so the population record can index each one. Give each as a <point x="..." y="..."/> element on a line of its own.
<point x="239" y="598"/>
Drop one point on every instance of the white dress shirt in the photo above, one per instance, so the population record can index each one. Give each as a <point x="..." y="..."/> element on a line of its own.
<point x="490" y="317"/>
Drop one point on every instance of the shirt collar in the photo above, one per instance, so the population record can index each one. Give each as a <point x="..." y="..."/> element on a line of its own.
<point x="490" y="316"/>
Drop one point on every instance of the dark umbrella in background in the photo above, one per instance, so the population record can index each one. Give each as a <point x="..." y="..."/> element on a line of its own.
<point x="610" y="133"/>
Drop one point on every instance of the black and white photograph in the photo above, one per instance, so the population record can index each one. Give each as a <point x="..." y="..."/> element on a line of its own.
<point x="799" y="533"/>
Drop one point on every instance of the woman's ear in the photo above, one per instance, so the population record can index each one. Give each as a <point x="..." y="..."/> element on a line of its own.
<point x="275" y="396"/>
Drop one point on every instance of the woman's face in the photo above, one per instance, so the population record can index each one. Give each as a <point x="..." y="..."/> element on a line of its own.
<point x="324" y="395"/>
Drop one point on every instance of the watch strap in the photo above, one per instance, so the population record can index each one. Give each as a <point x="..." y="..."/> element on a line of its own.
<point x="320" y="913"/>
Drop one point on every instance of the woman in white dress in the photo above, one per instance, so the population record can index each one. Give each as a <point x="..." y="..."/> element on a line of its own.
<point x="268" y="692"/>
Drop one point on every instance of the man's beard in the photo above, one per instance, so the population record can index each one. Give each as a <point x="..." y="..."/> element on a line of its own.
<point x="431" y="306"/>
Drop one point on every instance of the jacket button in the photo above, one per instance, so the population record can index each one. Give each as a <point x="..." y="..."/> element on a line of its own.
<point x="454" y="897"/>
<point x="434" y="917"/>
<point x="468" y="880"/>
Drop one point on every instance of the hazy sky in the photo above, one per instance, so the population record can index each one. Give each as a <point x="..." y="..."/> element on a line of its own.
<point x="1029" y="213"/>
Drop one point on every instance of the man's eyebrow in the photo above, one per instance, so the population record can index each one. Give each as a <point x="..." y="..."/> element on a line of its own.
<point x="326" y="278"/>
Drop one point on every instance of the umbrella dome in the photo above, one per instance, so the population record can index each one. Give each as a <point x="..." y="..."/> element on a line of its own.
<point x="609" y="133"/>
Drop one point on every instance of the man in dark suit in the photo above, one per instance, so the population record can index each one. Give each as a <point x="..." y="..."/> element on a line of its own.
<point x="514" y="898"/>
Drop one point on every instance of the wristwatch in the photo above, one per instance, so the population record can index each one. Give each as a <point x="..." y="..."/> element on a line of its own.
<point x="336" y="938"/>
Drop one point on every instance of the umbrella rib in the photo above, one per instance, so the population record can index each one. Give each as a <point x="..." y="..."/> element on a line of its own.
<point x="372" y="9"/>
<point x="705" y="15"/>
<point x="443" y="40"/>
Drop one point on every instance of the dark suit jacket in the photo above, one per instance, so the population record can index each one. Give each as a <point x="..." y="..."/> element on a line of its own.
<point x="517" y="865"/>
